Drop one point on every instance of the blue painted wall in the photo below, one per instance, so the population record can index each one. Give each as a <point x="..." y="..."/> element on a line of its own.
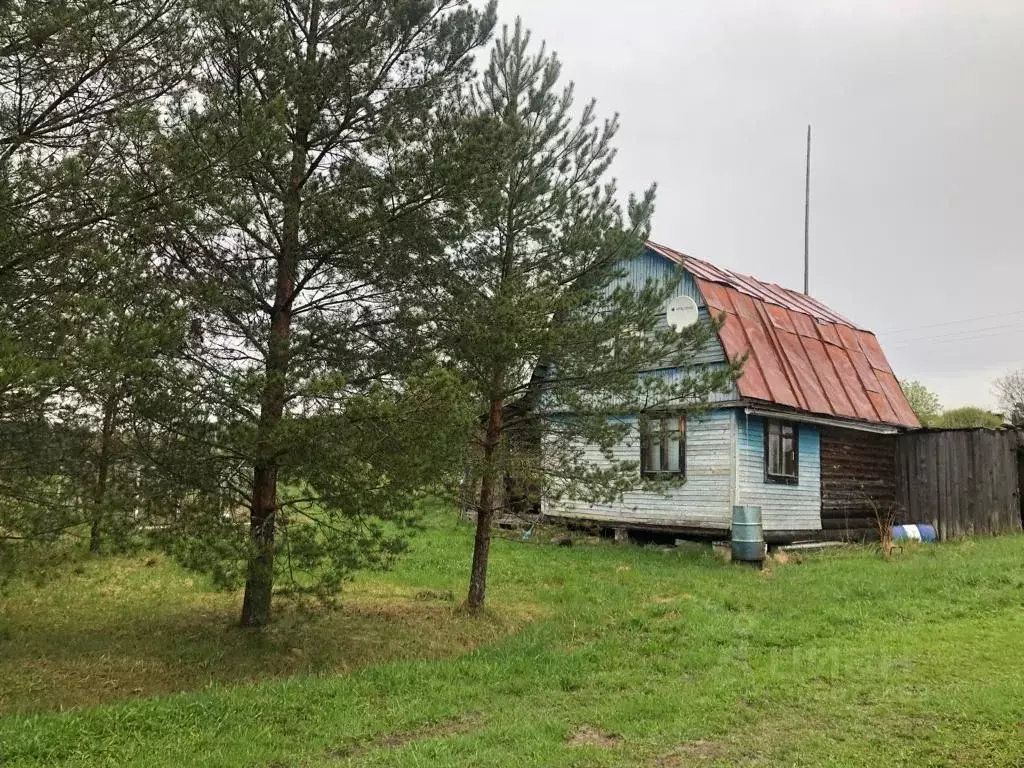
<point x="724" y="454"/>
<point x="674" y="374"/>
<point x="783" y="507"/>
<point x="651" y="266"/>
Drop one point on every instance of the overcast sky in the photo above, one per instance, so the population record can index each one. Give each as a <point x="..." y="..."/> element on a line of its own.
<point x="917" y="188"/>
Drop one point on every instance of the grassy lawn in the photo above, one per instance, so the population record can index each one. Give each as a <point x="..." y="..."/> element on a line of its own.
<point x="595" y="655"/>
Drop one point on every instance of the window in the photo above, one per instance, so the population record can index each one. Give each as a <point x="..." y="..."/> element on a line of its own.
<point x="781" y="452"/>
<point x="663" y="447"/>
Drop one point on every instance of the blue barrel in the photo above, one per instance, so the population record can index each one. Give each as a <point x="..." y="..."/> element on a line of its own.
<point x="747" y="537"/>
<point x="913" y="533"/>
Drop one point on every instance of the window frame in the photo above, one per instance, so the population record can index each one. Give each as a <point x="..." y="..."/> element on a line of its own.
<point x="769" y="476"/>
<point x="647" y="436"/>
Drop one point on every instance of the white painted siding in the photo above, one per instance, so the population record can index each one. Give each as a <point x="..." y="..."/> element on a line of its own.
<point x="783" y="507"/>
<point x="704" y="501"/>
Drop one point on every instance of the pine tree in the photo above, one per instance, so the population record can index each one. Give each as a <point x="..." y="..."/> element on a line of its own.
<point x="302" y="162"/>
<point x="78" y="79"/>
<point x="73" y="75"/>
<point x="532" y="306"/>
<point x="125" y="331"/>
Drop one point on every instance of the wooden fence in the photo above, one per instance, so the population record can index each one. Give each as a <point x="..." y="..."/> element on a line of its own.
<point x="964" y="482"/>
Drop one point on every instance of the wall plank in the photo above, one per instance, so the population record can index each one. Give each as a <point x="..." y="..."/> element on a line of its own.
<point x="703" y="502"/>
<point x="963" y="482"/>
<point x="783" y="507"/>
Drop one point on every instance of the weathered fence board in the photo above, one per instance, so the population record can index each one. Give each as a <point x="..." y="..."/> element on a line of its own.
<point x="963" y="482"/>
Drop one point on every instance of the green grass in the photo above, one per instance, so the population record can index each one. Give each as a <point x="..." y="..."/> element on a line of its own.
<point x="594" y="655"/>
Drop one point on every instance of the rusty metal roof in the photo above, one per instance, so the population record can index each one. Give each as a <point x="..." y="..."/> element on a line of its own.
<point x="801" y="354"/>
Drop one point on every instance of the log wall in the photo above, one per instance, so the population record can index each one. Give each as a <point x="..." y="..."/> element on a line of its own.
<point x="858" y="482"/>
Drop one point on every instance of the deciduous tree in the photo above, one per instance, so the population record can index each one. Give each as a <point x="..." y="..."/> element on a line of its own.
<point x="923" y="401"/>
<point x="1009" y="390"/>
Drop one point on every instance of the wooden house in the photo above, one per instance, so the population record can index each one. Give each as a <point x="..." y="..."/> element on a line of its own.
<point x="807" y="433"/>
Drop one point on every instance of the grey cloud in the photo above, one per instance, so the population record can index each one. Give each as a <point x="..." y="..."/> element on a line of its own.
<point x="918" y="158"/>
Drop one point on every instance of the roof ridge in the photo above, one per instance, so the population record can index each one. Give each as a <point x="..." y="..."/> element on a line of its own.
<point x="763" y="290"/>
<point x="688" y="257"/>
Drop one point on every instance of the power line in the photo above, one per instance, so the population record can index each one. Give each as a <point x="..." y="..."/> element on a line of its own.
<point x="964" y="332"/>
<point x="952" y="322"/>
<point x="976" y="334"/>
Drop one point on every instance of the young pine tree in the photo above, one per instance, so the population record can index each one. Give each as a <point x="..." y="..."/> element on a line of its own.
<point x="532" y="305"/>
<point x="302" y="161"/>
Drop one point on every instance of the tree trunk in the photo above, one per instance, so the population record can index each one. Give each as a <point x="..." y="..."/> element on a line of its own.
<point x="485" y="511"/>
<point x="102" y="472"/>
<point x="495" y="424"/>
<point x="259" y="581"/>
<point x="95" y="537"/>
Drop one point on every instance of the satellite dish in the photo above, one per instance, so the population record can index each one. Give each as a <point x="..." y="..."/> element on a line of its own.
<point x="681" y="312"/>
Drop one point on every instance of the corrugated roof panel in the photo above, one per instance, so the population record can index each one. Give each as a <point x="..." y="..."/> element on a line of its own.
<point x="751" y="383"/>
<point x="745" y="306"/>
<point x="734" y="341"/>
<point x="804" y="325"/>
<point x="848" y="337"/>
<point x="827" y="332"/>
<point x="747" y="285"/>
<point x="848" y="376"/>
<point x="773" y="335"/>
<point x="781" y="318"/>
<point x="815" y="308"/>
<point x="770" y="362"/>
<point x="804" y="372"/>
<point x="710" y="271"/>
<point x="716" y="296"/>
<point x="883" y="408"/>
<point x="668" y="253"/>
<point x="830" y="383"/>
<point x="864" y="370"/>
<point x="776" y="295"/>
<point x="897" y="399"/>
<point x="869" y="344"/>
<point x="800" y="353"/>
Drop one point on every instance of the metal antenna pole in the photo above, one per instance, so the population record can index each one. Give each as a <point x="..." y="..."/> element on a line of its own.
<point x="807" y="216"/>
